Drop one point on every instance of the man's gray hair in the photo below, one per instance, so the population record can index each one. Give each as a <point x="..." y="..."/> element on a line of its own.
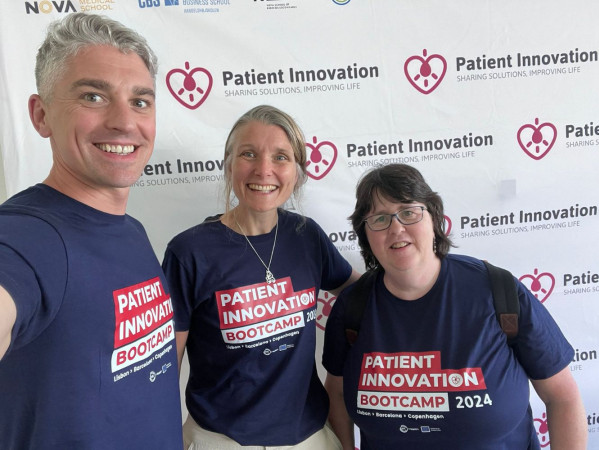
<point x="76" y="31"/>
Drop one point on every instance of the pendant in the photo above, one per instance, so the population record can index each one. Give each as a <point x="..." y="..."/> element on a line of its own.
<point x="270" y="278"/>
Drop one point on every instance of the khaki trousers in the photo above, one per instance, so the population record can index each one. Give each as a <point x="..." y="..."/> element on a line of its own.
<point x="197" y="438"/>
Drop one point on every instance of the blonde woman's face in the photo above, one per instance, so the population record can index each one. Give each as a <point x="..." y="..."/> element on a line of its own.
<point x="263" y="168"/>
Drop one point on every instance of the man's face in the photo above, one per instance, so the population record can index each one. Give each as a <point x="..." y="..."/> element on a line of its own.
<point x="101" y="120"/>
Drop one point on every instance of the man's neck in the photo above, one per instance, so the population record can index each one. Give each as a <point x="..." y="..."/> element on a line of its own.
<point x="109" y="200"/>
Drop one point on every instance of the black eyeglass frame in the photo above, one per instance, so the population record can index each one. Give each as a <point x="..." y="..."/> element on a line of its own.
<point x="396" y="215"/>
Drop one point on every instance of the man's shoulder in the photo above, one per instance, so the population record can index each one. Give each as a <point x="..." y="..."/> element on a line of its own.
<point x="29" y="214"/>
<point x="24" y="218"/>
<point x="35" y="201"/>
<point x="33" y="195"/>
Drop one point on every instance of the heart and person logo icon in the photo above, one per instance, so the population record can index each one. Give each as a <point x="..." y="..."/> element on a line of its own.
<point x="448" y="224"/>
<point x="425" y="72"/>
<point x="324" y="305"/>
<point x="537" y="139"/>
<point x="321" y="158"/>
<point x="539" y="284"/>
<point x="190" y="87"/>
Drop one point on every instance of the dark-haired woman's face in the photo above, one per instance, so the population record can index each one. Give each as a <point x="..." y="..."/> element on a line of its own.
<point x="401" y="247"/>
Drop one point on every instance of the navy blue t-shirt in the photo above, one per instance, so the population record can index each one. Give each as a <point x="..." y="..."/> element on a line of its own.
<point x="437" y="372"/>
<point x="92" y="361"/>
<point x="251" y="344"/>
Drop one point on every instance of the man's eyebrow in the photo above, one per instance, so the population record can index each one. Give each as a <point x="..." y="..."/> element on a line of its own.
<point x="102" y="85"/>
<point x="141" y="91"/>
<point x="91" y="82"/>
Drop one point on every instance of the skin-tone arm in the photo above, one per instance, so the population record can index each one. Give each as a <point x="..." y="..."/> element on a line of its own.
<point x="352" y="278"/>
<point x="566" y="416"/>
<point x="181" y="337"/>
<point x="8" y="316"/>
<point x="338" y="418"/>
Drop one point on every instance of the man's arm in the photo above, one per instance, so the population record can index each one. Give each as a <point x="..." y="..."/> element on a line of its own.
<point x="566" y="417"/>
<point x="8" y="316"/>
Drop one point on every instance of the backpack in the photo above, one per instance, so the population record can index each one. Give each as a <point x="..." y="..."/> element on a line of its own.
<point x="505" y="300"/>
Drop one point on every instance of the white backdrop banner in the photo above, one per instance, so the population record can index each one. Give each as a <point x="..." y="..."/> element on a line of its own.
<point x="494" y="102"/>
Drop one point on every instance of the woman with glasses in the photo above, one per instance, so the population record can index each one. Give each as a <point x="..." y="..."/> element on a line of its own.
<point x="431" y="367"/>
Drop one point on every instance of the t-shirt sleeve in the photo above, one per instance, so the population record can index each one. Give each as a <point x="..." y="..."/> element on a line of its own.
<point x="541" y="347"/>
<point x="19" y="280"/>
<point x="336" y="346"/>
<point x="180" y="284"/>
<point x="33" y="270"/>
<point x="335" y="268"/>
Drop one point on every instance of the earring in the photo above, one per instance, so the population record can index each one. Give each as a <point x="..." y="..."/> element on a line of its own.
<point x="435" y="246"/>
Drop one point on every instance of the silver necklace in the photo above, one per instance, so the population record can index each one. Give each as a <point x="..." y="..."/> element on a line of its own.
<point x="269" y="276"/>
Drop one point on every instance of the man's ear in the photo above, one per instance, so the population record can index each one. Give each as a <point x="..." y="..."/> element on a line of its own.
<point x="37" y="114"/>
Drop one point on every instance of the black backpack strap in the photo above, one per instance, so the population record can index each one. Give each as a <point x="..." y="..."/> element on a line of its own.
<point x="505" y="299"/>
<point x="356" y="304"/>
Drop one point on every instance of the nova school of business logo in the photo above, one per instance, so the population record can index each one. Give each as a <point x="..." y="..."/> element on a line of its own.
<point x="47" y="6"/>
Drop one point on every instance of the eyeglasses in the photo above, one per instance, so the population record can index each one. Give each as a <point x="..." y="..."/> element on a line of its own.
<point x="406" y="216"/>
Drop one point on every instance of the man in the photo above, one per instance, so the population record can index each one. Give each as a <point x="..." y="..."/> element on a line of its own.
<point x="86" y="331"/>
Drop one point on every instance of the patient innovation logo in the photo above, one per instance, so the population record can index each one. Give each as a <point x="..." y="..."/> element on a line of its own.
<point x="537" y="139"/>
<point x="324" y="305"/>
<point x="321" y="158"/>
<point x="425" y="72"/>
<point x="448" y="224"/>
<point x="190" y="87"/>
<point x="542" y="430"/>
<point x="539" y="284"/>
